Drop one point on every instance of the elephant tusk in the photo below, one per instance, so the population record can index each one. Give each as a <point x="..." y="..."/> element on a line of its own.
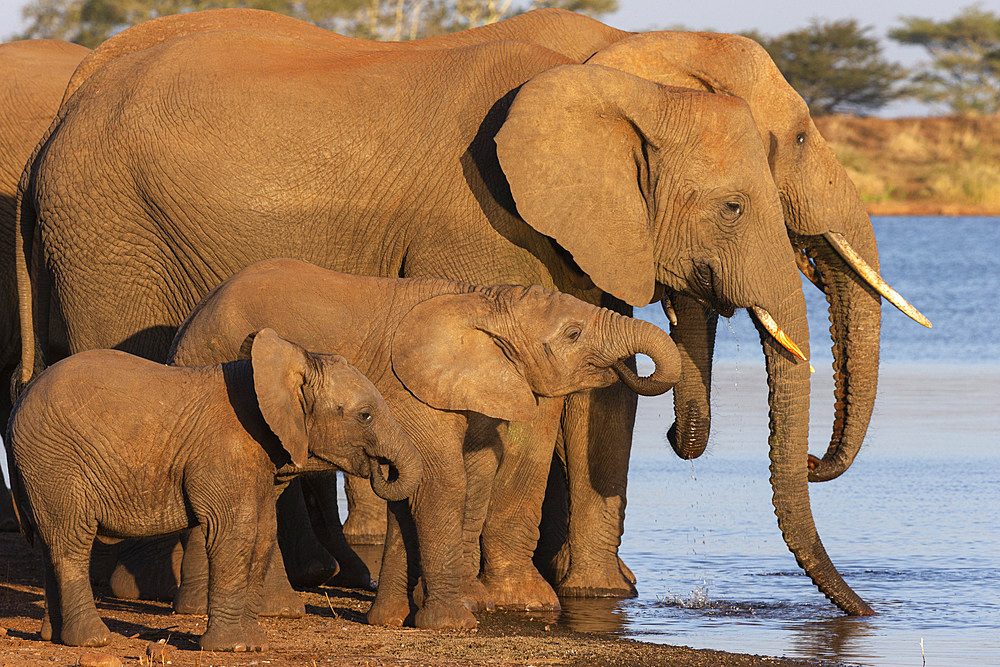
<point x="772" y="327"/>
<point x="668" y="310"/>
<point x="869" y="275"/>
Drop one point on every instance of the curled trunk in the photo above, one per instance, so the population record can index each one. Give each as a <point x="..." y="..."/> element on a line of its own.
<point x="404" y="460"/>
<point x="788" y="402"/>
<point x="639" y="337"/>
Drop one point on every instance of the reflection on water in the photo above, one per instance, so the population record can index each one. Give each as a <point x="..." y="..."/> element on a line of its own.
<point x="594" y="615"/>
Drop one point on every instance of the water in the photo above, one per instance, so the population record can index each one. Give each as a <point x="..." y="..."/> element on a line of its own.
<point x="914" y="526"/>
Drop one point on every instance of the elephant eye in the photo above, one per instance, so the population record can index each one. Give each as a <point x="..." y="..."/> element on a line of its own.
<point x="365" y="417"/>
<point x="800" y="138"/>
<point x="732" y="210"/>
<point x="573" y="333"/>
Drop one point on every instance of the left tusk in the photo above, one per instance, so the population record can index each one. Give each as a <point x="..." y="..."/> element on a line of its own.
<point x="772" y="327"/>
<point x="867" y="273"/>
<point x="668" y="310"/>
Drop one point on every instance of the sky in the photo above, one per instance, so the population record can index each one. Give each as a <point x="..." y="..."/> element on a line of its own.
<point x="770" y="17"/>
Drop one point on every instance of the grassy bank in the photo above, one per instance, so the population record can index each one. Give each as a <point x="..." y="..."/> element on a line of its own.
<point x="920" y="166"/>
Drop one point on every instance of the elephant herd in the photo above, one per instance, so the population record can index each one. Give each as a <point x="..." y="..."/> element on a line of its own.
<point x="203" y="177"/>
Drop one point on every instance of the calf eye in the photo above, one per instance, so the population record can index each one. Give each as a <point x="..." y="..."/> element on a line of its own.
<point x="733" y="210"/>
<point x="573" y="333"/>
<point x="800" y="138"/>
<point x="365" y="417"/>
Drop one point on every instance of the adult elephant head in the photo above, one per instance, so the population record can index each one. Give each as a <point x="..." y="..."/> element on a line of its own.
<point x="826" y="220"/>
<point x="724" y="246"/>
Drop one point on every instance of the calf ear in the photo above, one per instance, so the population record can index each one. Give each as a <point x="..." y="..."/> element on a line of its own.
<point x="444" y="359"/>
<point x="280" y="370"/>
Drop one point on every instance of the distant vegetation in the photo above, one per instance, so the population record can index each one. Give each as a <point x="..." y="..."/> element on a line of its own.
<point x="948" y="165"/>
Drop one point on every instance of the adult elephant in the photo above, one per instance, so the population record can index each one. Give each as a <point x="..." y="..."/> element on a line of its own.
<point x="824" y="214"/>
<point x="415" y="187"/>
<point x="33" y="76"/>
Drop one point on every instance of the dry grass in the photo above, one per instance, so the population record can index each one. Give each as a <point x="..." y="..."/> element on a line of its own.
<point x="945" y="165"/>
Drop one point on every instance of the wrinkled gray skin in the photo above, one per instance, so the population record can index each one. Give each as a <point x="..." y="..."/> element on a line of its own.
<point x="579" y="177"/>
<point x="455" y="364"/>
<point x="33" y="75"/>
<point x="818" y="200"/>
<point x="110" y="445"/>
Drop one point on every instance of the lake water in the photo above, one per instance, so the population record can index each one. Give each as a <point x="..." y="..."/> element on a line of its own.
<point x="913" y="526"/>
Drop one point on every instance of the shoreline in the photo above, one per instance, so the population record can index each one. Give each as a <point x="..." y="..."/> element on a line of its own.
<point x="333" y="632"/>
<point x="943" y="209"/>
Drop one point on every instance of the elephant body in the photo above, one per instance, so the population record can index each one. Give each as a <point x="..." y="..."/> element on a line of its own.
<point x="490" y="164"/>
<point x="110" y="445"/>
<point x="454" y="363"/>
<point x="33" y="76"/>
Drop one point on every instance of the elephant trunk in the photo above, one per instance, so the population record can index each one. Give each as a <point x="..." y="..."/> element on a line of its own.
<point x="788" y="402"/>
<point x="399" y="454"/>
<point x="694" y="334"/>
<point x="855" y="317"/>
<point x="639" y="337"/>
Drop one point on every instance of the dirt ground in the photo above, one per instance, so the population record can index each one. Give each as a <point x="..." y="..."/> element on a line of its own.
<point x="333" y="632"/>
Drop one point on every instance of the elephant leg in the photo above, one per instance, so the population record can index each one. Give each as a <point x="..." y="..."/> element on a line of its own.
<point x="279" y="598"/>
<point x="510" y="533"/>
<point x="400" y="567"/>
<point x="236" y="564"/>
<point x="438" y="509"/>
<point x="72" y="617"/>
<point x="597" y="430"/>
<point x="482" y="458"/>
<point x="307" y="562"/>
<point x="147" y="569"/>
<point x="366" y="515"/>
<point x="320" y="492"/>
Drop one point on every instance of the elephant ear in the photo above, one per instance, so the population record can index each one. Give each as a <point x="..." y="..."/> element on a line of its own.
<point x="573" y="149"/>
<point x="444" y="359"/>
<point x="280" y="370"/>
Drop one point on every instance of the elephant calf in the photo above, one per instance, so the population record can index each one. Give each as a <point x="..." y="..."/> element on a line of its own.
<point x="456" y="363"/>
<point x="110" y="445"/>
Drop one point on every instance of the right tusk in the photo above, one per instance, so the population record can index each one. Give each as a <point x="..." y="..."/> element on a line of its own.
<point x="668" y="310"/>
<point x="867" y="273"/>
<point x="772" y="327"/>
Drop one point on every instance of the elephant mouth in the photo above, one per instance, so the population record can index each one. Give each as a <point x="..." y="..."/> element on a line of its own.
<point x="706" y="287"/>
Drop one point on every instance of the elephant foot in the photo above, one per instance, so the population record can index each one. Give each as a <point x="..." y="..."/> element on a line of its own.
<point x="87" y="631"/>
<point x="233" y="638"/>
<point x="598" y="582"/>
<point x="192" y="596"/>
<point x="148" y="570"/>
<point x="520" y="590"/>
<point x="279" y="598"/>
<point x="387" y="612"/>
<point x="445" y="615"/>
<point x="474" y="595"/>
<point x="626" y="571"/>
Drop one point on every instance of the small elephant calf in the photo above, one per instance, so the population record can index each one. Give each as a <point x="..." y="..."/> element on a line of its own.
<point x="110" y="445"/>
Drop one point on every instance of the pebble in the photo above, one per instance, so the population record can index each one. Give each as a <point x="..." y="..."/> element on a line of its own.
<point x="99" y="660"/>
<point x="159" y="652"/>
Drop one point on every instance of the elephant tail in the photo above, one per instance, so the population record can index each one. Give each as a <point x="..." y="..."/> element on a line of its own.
<point x="32" y="279"/>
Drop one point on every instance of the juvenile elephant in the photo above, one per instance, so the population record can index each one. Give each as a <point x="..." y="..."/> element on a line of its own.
<point x="455" y="363"/>
<point x="33" y="76"/>
<point x="494" y="164"/>
<point x="110" y="445"/>
<point x="826" y="220"/>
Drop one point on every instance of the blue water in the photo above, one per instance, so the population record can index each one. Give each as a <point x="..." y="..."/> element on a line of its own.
<point x="914" y="526"/>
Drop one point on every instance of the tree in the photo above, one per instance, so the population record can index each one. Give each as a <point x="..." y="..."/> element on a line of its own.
<point x="835" y="66"/>
<point x="90" y="22"/>
<point x="964" y="71"/>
